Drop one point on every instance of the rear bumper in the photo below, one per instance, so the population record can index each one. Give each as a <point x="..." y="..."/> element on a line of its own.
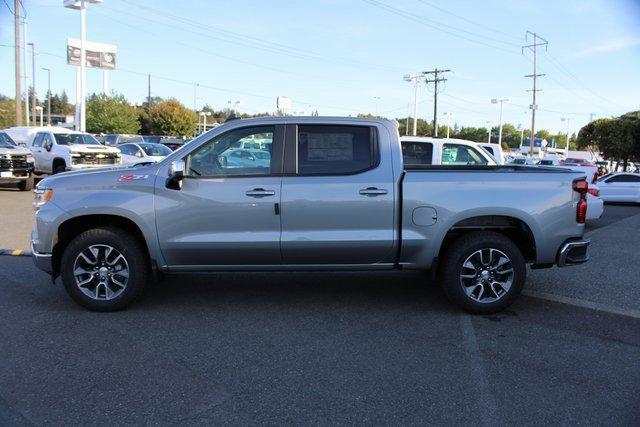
<point x="573" y="252"/>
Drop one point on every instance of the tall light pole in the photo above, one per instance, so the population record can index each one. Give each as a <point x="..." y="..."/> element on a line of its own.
<point x="377" y="98"/>
<point x="489" y="125"/>
<point x="235" y="106"/>
<point x="204" y="115"/>
<point x="48" y="95"/>
<point x="521" y="129"/>
<point x="416" y="79"/>
<point x="195" y="96"/>
<point x="566" y="149"/>
<point x="33" y="80"/>
<point x="501" y="101"/>
<point x="39" y="110"/>
<point x="81" y="5"/>
<point x="448" y="114"/>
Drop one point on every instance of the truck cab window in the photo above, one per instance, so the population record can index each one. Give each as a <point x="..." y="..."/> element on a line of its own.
<point x="335" y="150"/>
<point x="225" y="154"/>
<point x="455" y="154"/>
<point x="417" y="153"/>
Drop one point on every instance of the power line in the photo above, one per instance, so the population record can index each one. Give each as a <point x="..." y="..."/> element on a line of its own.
<point x="9" y="7"/>
<point x="439" y="26"/>
<point x="469" y="20"/>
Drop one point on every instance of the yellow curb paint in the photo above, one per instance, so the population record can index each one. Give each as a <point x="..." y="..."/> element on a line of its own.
<point x="16" y="252"/>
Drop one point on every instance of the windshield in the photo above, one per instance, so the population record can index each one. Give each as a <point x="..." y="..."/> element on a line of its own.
<point x="130" y="138"/>
<point x="6" y="141"/>
<point x="155" y="149"/>
<point x="75" y="138"/>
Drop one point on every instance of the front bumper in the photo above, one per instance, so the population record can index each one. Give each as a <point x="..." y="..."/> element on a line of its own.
<point x="10" y="176"/>
<point x="573" y="252"/>
<point x="42" y="261"/>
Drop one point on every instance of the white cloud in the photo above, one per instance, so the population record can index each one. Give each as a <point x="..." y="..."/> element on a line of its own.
<point x="609" y="46"/>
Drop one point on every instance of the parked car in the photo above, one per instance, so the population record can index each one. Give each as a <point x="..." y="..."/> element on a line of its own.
<point x="245" y="158"/>
<point x="16" y="164"/>
<point x="144" y="152"/>
<point x="495" y="150"/>
<point x="334" y="196"/>
<point x="120" y="138"/>
<point x="58" y="150"/>
<point x="418" y="150"/>
<point x="172" y="142"/>
<point x="620" y="187"/>
<point x="576" y="161"/>
<point x="524" y="161"/>
<point x="595" y="204"/>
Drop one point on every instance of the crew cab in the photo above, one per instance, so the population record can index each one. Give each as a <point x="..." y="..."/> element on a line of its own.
<point x="335" y="195"/>
<point x="16" y="164"/>
<point x="58" y="150"/>
<point x="423" y="150"/>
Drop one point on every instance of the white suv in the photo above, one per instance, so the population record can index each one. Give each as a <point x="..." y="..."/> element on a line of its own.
<point x="59" y="150"/>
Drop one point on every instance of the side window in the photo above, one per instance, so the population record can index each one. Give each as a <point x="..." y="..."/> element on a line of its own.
<point x="47" y="139"/>
<point x="111" y="139"/>
<point x="454" y="154"/>
<point x="223" y="155"/>
<point x="37" y="141"/>
<point x="617" y="178"/>
<point x="490" y="150"/>
<point x="335" y="150"/>
<point x="417" y="153"/>
<point x="126" y="149"/>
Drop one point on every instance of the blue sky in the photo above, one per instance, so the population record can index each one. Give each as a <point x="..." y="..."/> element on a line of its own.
<point x="339" y="57"/>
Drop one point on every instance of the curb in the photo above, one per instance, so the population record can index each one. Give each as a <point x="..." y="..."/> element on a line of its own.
<point x="15" y="252"/>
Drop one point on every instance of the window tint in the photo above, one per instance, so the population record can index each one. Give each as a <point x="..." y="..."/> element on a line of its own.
<point x="334" y="150"/>
<point x="417" y="153"/>
<point x="111" y="139"/>
<point x="129" y="150"/>
<point x="624" y="178"/>
<point x="223" y="155"/>
<point x="6" y="141"/>
<point x="37" y="141"/>
<point x="155" y="149"/>
<point x="454" y="154"/>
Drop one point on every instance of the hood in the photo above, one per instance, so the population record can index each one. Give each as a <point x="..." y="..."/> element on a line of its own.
<point x="14" y="150"/>
<point x="110" y="174"/>
<point x="91" y="148"/>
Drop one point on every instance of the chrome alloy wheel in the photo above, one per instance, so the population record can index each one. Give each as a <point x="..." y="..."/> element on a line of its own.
<point x="487" y="275"/>
<point x="101" y="272"/>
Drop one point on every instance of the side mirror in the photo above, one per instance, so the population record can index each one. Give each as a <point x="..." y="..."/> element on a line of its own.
<point x="139" y="154"/>
<point x="47" y="145"/>
<point x="176" y="175"/>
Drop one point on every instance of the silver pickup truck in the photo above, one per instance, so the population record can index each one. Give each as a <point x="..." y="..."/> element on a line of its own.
<point x="309" y="194"/>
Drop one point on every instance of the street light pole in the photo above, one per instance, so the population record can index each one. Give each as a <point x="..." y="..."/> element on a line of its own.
<point x="40" y="109"/>
<point x="415" y="79"/>
<point x="489" y="123"/>
<point x="33" y="80"/>
<point x="377" y="98"/>
<point x="48" y="95"/>
<point x="501" y="101"/>
<point x="566" y="149"/>
<point x="448" y="114"/>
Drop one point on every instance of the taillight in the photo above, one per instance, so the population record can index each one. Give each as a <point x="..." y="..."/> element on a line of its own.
<point x="593" y="191"/>
<point x="581" y="186"/>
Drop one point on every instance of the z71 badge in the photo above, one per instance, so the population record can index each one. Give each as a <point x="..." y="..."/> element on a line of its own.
<point x="129" y="178"/>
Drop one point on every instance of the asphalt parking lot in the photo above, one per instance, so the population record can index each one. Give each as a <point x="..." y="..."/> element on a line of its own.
<point x="312" y="348"/>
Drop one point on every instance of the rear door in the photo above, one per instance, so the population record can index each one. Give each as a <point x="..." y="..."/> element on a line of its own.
<point x="337" y="196"/>
<point x="37" y="151"/>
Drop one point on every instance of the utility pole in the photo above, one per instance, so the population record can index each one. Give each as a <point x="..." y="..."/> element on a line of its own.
<point x="415" y="78"/>
<point x="435" y="81"/>
<point x="33" y="81"/>
<point x="149" y="91"/>
<point x="533" y="47"/>
<point x="48" y="95"/>
<point x="16" y="23"/>
<point x="25" y="72"/>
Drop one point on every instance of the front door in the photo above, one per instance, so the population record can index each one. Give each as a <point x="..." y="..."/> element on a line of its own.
<point x="227" y="211"/>
<point x="337" y="196"/>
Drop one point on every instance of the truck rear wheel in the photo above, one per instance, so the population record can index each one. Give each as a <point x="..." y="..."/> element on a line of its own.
<point x="104" y="269"/>
<point x="483" y="272"/>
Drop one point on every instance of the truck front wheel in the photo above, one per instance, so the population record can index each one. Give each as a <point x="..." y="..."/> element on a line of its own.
<point x="104" y="269"/>
<point x="27" y="184"/>
<point x="483" y="272"/>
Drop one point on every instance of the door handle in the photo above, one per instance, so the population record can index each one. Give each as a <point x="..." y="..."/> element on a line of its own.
<point x="373" y="191"/>
<point x="260" y="192"/>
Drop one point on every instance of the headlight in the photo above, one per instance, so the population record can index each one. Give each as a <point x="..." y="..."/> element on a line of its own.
<point x="30" y="159"/>
<point x="40" y="197"/>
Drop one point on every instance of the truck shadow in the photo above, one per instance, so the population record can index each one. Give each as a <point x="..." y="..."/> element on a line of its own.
<point x="300" y="289"/>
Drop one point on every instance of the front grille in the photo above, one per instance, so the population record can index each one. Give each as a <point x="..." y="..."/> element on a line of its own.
<point x="95" y="159"/>
<point x="14" y="162"/>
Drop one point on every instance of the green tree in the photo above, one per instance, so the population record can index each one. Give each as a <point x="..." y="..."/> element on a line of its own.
<point x="60" y="104"/>
<point x="7" y="112"/>
<point x="617" y="138"/>
<point x="170" y="117"/>
<point x="111" y="114"/>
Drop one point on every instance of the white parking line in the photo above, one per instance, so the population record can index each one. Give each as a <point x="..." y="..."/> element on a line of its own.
<point x="583" y="303"/>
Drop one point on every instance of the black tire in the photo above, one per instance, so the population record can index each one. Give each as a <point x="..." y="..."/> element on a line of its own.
<point x="26" y="185"/>
<point x="131" y="250"/>
<point x="59" y="167"/>
<point x="467" y="292"/>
